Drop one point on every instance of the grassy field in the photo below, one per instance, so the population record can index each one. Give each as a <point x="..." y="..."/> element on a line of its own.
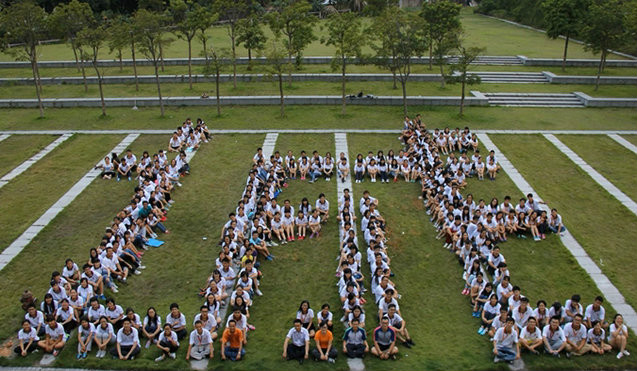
<point x="268" y="87"/>
<point x="631" y="138"/>
<point x="302" y="117"/>
<point x="602" y="225"/>
<point x="429" y="278"/>
<point x="17" y="149"/>
<point x="498" y="37"/>
<point x="29" y="195"/>
<point x="608" y="157"/>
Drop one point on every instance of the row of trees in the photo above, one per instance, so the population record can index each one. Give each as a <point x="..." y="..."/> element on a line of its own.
<point x="395" y="36"/>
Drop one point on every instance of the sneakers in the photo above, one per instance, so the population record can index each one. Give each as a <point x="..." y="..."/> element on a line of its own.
<point x="536" y="238"/>
<point x="84" y="355"/>
<point x="251" y="327"/>
<point x="138" y="272"/>
<point x="258" y="292"/>
<point x="160" y="358"/>
<point x="626" y="353"/>
<point x="330" y="360"/>
<point x="620" y="355"/>
<point x="273" y="244"/>
<point x="114" y="289"/>
<point x="406" y="344"/>
<point x="147" y="344"/>
<point x="172" y="355"/>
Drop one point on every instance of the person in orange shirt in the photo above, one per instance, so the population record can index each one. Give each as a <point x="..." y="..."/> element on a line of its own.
<point x="232" y="342"/>
<point x="324" y="350"/>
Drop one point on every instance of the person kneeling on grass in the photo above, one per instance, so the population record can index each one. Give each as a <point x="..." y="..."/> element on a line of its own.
<point x="54" y="338"/>
<point x="200" y="345"/>
<point x="127" y="346"/>
<point x="167" y="343"/>
<point x="355" y="341"/>
<point x="506" y="346"/>
<point x="384" y="341"/>
<point x="27" y="339"/>
<point x="232" y="342"/>
<point x="297" y="343"/>
<point x="324" y="350"/>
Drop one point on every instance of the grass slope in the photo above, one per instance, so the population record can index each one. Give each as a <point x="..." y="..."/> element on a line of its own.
<point x="17" y="149"/>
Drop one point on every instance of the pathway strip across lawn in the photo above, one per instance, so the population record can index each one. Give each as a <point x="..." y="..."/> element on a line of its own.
<point x="309" y="131"/>
<point x="21" y="242"/>
<point x="28" y="163"/>
<point x="611" y="293"/>
<point x="597" y="177"/>
<point x="628" y="145"/>
<point x="3" y="137"/>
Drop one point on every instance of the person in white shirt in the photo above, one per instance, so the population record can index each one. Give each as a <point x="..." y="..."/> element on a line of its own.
<point x="553" y="337"/>
<point x="573" y="307"/>
<point x="177" y="321"/>
<point x="595" y="312"/>
<point x="618" y="335"/>
<point x="200" y="345"/>
<point x="314" y="223"/>
<point x="104" y="335"/>
<point x="575" y="334"/>
<point x="85" y="333"/>
<point x="127" y="346"/>
<point x="323" y="207"/>
<point x="36" y="319"/>
<point x="530" y="336"/>
<point x="55" y="337"/>
<point x="522" y="313"/>
<point x="27" y="339"/>
<point x="506" y="346"/>
<point x="596" y="337"/>
<point x="167" y="343"/>
<point x="297" y="343"/>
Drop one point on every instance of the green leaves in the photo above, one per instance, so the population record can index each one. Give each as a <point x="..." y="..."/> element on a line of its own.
<point x="345" y="34"/>
<point x="294" y="21"/>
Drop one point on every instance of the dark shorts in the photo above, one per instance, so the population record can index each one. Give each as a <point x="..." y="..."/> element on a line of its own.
<point x="383" y="347"/>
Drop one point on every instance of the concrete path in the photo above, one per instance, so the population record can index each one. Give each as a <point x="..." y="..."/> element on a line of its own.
<point x="21" y="242"/>
<point x="610" y="292"/>
<point x="4" y="136"/>
<point x="628" y="145"/>
<point x="28" y="163"/>
<point x="597" y="177"/>
<point x="309" y="131"/>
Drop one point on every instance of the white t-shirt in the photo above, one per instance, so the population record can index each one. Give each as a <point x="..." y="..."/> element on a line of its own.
<point x="613" y="328"/>
<point x="593" y="315"/>
<point x="176" y="322"/>
<point x="85" y="332"/>
<point x="99" y="330"/>
<point x="114" y="313"/>
<point x="56" y="332"/>
<point x="38" y="320"/>
<point x="573" y="335"/>
<point x="127" y="339"/>
<point x="25" y="337"/>
<point x="305" y="317"/>
<point x="553" y="335"/>
<point x="503" y="339"/>
<point x="162" y="337"/>
<point x="200" y="339"/>
<point x="530" y="335"/>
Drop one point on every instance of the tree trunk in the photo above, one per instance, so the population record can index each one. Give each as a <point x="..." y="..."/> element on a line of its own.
<point x="290" y="70"/>
<point x="99" y="83"/>
<point x="83" y="71"/>
<point x="134" y="64"/>
<point x="234" y="57"/>
<point x="442" y="77"/>
<point x="205" y="51"/>
<point x="464" y="79"/>
<point x="161" y="102"/>
<point x="77" y="62"/>
<point x="599" y="70"/>
<point x="344" y="81"/>
<point x="604" y="61"/>
<point x="121" y="63"/>
<point x="393" y="72"/>
<point x="161" y="55"/>
<point x="431" y="48"/>
<point x="565" y="50"/>
<point x="190" y="63"/>
<point x="281" y="93"/>
<point x="37" y="71"/>
<point x="34" y="67"/>
<point x="403" y="82"/>
<point x="217" y="90"/>
<point x="249" y="59"/>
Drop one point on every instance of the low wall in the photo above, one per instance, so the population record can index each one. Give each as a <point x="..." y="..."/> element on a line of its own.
<point x="606" y="102"/>
<point x="588" y="80"/>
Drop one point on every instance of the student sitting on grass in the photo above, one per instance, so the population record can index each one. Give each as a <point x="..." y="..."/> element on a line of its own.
<point x="617" y="335"/>
<point x="168" y="343"/>
<point x="531" y="337"/>
<point x="297" y="343"/>
<point x="506" y="346"/>
<point x="232" y="342"/>
<point x="177" y="321"/>
<point x="200" y="344"/>
<point x="104" y="335"/>
<point x="355" y="341"/>
<point x="127" y="344"/>
<point x="27" y="339"/>
<point x="323" y="339"/>
<point x="384" y="341"/>
<point x="85" y="334"/>
<point x="553" y="337"/>
<point x="55" y="337"/>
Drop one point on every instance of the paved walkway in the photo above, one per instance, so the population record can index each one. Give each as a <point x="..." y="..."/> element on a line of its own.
<point x="597" y="177"/>
<point x="628" y="145"/>
<point x="309" y="131"/>
<point x="3" y="137"/>
<point x="21" y="242"/>
<point x="611" y="293"/>
<point x="28" y="163"/>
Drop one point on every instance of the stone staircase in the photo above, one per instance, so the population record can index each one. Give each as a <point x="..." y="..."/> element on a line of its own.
<point x="512" y="77"/>
<point x="569" y="100"/>
<point x="493" y="60"/>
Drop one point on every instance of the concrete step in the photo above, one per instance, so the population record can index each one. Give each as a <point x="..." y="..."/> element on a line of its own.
<point x="553" y="95"/>
<point x="536" y="106"/>
<point x="534" y="103"/>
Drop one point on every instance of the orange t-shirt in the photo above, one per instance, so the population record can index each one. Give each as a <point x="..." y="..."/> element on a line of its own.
<point x="323" y="340"/>
<point x="235" y="339"/>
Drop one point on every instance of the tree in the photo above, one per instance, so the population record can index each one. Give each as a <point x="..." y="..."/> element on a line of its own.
<point x="294" y="21"/>
<point x="250" y="34"/>
<point x="631" y="23"/>
<point x="205" y="19"/>
<point x="397" y="41"/>
<point x="25" y="22"/>
<point x="605" y="29"/>
<point x="441" y="22"/>
<point x="150" y="29"/>
<point x="564" y="17"/>
<point x="345" y="34"/>
<point x="118" y="37"/>
<point x="231" y="11"/>
<point x="67" y="20"/>
<point x="92" y="39"/>
<point x="186" y="24"/>
<point x="458" y="73"/>
<point x="215" y="65"/>
<point x="278" y="65"/>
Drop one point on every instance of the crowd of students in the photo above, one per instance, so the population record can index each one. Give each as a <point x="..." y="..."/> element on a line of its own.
<point x="75" y="297"/>
<point x="474" y="232"/>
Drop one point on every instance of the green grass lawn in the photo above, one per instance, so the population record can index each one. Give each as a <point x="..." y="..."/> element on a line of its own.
<point x="603" y="226"/>
<point x="631" y="138"/>
<point x="29" y="195"/>
<point x="300" y="117"/>
<point x="498" y="37"/>
<point x="268" y="87"/>
<point x="608" y="157"/>
<point x="17" y="149"/>
<point x="305" y="68"/>
<point x="429" y="278"/>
